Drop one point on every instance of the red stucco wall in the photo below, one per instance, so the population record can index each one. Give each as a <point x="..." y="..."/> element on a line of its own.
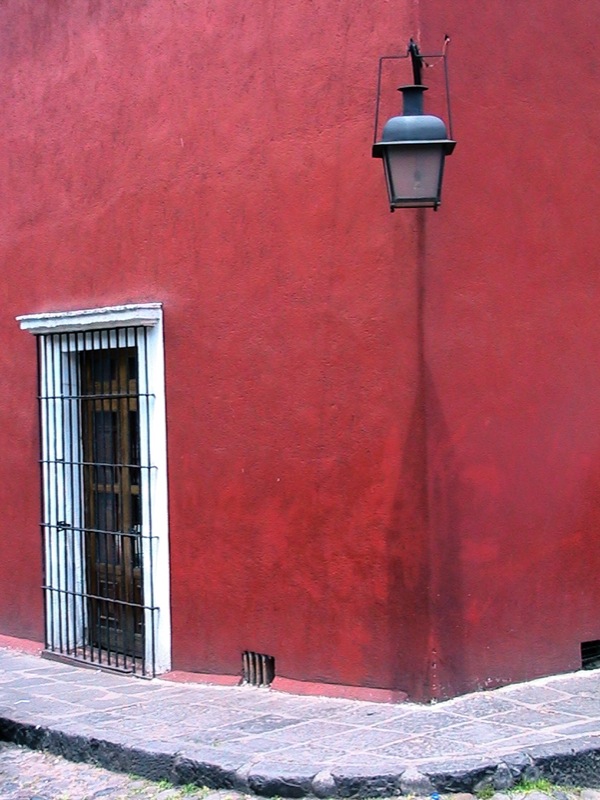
<point x="513" y="345"/>
<point x="383" y="430"/>
<point x="217" y="160"/>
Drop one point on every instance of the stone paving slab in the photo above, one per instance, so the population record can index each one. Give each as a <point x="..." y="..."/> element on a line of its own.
<point x="259" y="741"/>
<point x="32" y="775"/>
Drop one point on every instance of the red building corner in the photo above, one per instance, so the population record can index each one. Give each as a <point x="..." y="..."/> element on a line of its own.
<point x="275" y="419"/>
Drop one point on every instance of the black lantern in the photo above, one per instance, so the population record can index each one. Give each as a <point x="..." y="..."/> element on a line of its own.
<point x="413" y="147"/>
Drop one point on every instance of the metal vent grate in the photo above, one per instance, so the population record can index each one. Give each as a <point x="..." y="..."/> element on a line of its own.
<point x="590" y="655"/>
<point x="257" y="668"/>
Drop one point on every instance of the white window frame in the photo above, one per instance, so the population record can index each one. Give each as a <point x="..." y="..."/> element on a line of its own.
<point x="65" y="566"/>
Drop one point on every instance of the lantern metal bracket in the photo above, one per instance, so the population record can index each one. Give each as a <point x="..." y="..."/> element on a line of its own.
<point x="418" y="61"/>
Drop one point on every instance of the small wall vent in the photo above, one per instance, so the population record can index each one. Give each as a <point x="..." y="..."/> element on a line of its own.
<point x="590" y="655"/>
<point x="257" y="668"/>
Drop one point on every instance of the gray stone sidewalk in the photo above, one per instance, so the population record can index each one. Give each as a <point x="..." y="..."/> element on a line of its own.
<point x="256" y="740"/>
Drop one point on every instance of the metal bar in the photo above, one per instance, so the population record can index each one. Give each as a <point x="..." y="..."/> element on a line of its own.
<point x="146" y="502"/>
<point x="116" y="601"/>
<point x="77" y="499"/>
<point x="447" y="81"/>
<point x="90" y="544"/>
<point x="102" y="618"/>
<point x="55" y="366"/>
<point x="74" y="659"/>
<point x="71" y="475"/>
<point x="77" y="463"/>
<point x="378" y="99"/>
<point x="101" y="530"/>
<point x="62" y="531"/>
<point x="43" y="444"/>
<point x="263" y="676"/>
<point x="120" y="578"/>
<point x="101" y="396"/>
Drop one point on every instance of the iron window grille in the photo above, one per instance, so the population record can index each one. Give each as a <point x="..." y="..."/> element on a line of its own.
<point x="104" y="485"/>
<point x="97" y="482"/>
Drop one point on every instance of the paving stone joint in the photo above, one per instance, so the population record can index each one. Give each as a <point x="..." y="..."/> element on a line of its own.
<point x="257" y="741"/>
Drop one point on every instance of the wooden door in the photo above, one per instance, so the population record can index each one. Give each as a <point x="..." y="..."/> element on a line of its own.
<point x="111" y="493"/>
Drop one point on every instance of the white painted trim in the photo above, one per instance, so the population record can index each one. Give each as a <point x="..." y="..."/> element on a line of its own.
<point x="65" y="565"/>
<point x="89" y="319"/>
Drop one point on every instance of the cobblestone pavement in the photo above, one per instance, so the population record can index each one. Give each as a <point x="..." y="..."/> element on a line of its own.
<point x="264" y="742"/>
<point x="30" y="775"/>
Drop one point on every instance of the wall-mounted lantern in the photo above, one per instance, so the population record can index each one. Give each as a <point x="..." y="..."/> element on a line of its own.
<point x="413" y="146"/>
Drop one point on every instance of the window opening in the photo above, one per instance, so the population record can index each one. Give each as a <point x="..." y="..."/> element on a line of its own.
<point x="97" y="477"/>
<point x="111" y="486"/>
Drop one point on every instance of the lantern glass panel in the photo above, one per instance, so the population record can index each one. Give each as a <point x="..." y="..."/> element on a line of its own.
<point x="414" y="174"/>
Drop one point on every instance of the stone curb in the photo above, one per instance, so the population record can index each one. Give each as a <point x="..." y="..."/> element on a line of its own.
<point x="574" y="763"/>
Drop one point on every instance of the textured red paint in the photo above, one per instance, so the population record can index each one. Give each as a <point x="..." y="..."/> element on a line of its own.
<point x="217" y="160"/>
<point x="512" y="343"/>
<point x="178" y="676"/>
<point x="383" y="429"/>
<point x="22" y="645"/>
<point x="363" y="693"/>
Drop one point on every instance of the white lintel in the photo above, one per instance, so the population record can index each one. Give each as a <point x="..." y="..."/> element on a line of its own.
<point x="133" y="315"/>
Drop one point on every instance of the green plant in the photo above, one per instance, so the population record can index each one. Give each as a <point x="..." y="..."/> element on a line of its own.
<point x="523" y="787"/>
<point x="537" y="785"/>
<point x="191" y="788"/>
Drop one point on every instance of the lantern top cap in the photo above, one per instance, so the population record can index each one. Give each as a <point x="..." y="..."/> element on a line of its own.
<point x="423" y="128"/>
<point x="413" y="126"/>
